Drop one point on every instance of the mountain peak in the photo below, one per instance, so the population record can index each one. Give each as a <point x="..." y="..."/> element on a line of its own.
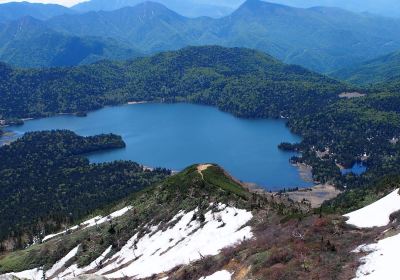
<point x="149" y="9"/>
<point x="260" y="3"/>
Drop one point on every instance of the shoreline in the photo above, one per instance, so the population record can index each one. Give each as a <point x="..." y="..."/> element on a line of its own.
<point x="314" y="195"/>
<point x="305" y="172"/>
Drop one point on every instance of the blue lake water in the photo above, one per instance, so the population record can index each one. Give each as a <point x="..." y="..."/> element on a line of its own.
<point x="177" y="135"/>
<point x="357" y="169"/>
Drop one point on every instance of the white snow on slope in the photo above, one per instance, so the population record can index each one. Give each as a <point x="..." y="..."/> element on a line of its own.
<point x="73" y="270"/>
<point x="219" y="275"/>
<point x="382" y="262"/>
<point x="37" y="273"/>
<point x="92" y="222"/>
<point x="186" y="241"/>
<point x="60" y="264"/>
<point x="34" y="274"/>
<point x="376" y="214"/>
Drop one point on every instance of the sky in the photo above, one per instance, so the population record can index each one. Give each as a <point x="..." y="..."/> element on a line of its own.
<point x="67" y="3"/>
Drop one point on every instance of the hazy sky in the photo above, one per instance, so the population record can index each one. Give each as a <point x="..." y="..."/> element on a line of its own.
<point x="67" y="3"/>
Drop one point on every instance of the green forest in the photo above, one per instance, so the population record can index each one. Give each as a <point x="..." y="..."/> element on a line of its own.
<point x="46" y="176"/>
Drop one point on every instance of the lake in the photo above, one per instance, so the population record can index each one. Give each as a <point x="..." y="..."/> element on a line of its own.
<point x="177" y="135"/>
<point x="357" y="169"/>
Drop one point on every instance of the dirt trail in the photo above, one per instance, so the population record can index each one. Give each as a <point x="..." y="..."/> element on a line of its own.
<point x="201" y="168"/>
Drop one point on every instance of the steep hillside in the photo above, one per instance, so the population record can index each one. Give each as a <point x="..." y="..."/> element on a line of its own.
<point x="322" y="39"/>
<point x="46" y="182"/>
<point x="15" y="10"/>
<point x="199" y="222"/>
<point x="377" y="259"/>
<point x="30" y="43"/>
<point x="379" y="70"/>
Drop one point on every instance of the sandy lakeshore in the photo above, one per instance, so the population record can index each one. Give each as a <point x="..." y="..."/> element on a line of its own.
<point x="315" y="195"/>
<point x="136" y="102"/>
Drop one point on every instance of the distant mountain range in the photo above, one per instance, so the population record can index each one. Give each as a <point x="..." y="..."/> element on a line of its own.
<point x="321" y="39"/>
<point x="189" y="8"/>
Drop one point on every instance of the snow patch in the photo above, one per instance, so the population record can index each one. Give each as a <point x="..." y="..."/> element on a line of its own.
<point x="186" y="241"/>
<point x="219" y="275"/>
<point x="34" y="274"/>
<point x="382" y="262"/>
<point x="73" y="270"/>
<point x="61" y="263"/>
<point x="376" y="214"/>
<point x="37" y="273"/>
<point x="91" y="222"/>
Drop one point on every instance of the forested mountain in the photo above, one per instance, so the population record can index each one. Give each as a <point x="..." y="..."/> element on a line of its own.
<point x="17" y="10"/>
<point x="189" y="8"/>
<point x="47" y="178"/>
<point x="318" y="38"/>
<point x="30" y="43"/>
<point x="207" y="75"/>
<point x="379" y="70"/>
<point x="148" y="26"/>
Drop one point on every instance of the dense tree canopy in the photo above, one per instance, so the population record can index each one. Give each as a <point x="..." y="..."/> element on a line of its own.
<point x="46" y="181"/>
